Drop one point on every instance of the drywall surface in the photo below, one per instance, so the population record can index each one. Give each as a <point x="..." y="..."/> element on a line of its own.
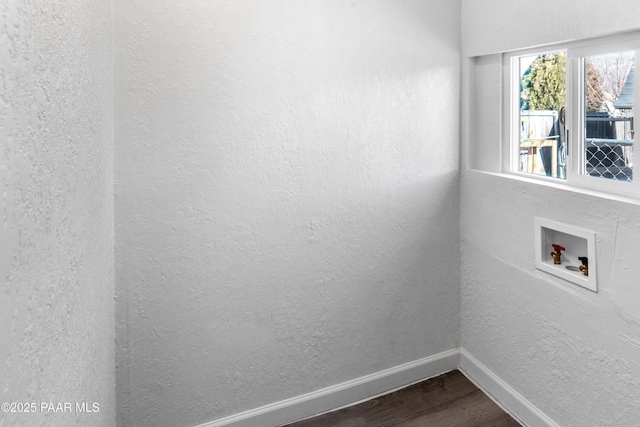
<point x="286" y="198"/>
<point x="490" y="26"/>
<point x="56" y="213"/>
<point x="573" y="353"/>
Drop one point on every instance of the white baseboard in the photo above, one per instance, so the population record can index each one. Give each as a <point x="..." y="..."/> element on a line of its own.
<point x="502" y="393"/>
<point x="344" y="394"/>
<point x="383" y="382"/>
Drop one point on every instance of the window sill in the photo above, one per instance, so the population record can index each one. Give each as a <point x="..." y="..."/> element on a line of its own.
<point x="562" y="185"/>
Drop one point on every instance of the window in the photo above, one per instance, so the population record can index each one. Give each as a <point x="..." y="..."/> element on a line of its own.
<point x="572" y="114"/>
<point x="542" y="95"/>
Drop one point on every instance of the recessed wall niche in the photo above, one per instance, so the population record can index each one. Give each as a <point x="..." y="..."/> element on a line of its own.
<point x="566" y="251"/>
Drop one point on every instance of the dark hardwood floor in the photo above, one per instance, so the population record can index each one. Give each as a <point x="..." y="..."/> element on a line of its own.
<point x="449" y="400"/>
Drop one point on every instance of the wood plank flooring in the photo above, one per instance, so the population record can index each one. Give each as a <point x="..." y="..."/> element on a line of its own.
<point x="449" y="400"/>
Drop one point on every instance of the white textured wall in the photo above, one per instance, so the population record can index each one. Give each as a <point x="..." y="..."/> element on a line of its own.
<point x="490" y="26"/>
<point x="286" y="198"/>
<point x="573" y="353"/>
<point x="56" y="210"/>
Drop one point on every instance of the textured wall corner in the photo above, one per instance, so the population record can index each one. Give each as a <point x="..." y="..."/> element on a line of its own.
<point x="286" y="198"/>
<point x="56" y="211"/>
